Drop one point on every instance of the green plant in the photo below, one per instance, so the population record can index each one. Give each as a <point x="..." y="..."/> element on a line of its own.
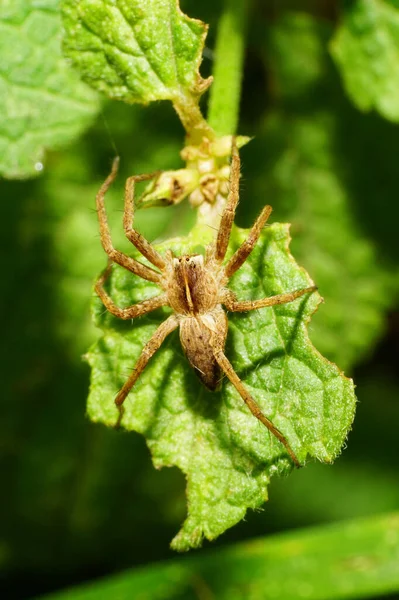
<point x="141" y="52"/>
<point x="316" y="159"/>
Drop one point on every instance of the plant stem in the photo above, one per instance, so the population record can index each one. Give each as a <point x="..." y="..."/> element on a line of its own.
<point x="224" y="102"/>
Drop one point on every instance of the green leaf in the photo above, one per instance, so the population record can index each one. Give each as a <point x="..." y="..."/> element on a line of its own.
<point x="137" y="50"/>
<point x="44" y="105"/>
<point x="226" y="454"/>
<point x="354" y="559"/>
<point x="366" y="50"/>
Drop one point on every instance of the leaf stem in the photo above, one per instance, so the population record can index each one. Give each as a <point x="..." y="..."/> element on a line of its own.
<point x="224" y="102"/>
<point x="192" y="119"/>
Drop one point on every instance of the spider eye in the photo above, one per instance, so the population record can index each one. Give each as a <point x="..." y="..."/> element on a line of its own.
<point x="187" y="259"/>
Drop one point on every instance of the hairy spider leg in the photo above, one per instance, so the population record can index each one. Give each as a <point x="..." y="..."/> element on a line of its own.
<point x="148" y="351"/>
<point x="132" y="235"/>
<point x="228" y="369"/>
<point x="244" y="305"/>
<point x="242" y="253"/>
<point x="136" y="310"/>
<point x="121" y="259"/>
<point x="227" y="220"/>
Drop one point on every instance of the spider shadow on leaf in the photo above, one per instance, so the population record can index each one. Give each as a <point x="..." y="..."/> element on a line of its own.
<point x="278" y="352"/>
<point x="248" y="374"/>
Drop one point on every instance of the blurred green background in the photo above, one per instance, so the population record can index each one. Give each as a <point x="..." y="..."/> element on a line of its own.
<point x="80" y="501"/>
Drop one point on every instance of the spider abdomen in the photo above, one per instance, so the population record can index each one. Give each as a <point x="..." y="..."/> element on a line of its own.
<point x="198" y="336"/>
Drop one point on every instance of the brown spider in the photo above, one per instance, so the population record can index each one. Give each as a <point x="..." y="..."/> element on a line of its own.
<point x="195" y="288"/>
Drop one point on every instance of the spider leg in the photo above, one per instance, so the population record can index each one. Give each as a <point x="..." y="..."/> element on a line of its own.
<point x="226" y="222"/>
<point x="148" y="351"/>
<point x="121" y="259"/>
<point x="134" y="236"/>
<point x="228" y="369"/>
<point x="242" y="306"/>
<point x="137" y="310"/>
<point x="241" y="255"/>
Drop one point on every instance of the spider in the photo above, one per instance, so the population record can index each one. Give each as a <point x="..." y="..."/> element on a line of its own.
<point x="194" y="287"/>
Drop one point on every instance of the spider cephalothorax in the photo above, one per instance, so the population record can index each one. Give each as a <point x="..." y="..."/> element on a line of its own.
<point x="192" y="286"/>
<point x="195" y="288"/>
